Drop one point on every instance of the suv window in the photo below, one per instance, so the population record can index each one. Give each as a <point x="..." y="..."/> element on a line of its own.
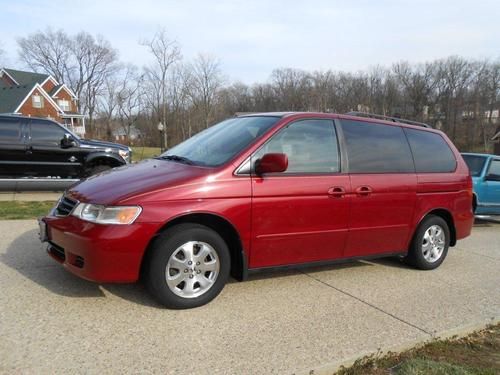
<point x="10" y="130"/>
<point x="311" y="147"/>
<point x="475" y="164"/>
<point x="43" y="132"/>
<point x="494" y="168"/>
<point x="431" y="152"/>
<point x="376" y="148"/>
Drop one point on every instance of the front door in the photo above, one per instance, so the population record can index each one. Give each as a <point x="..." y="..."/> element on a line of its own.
<point x="383" y="182"/>
<point x="491" y="187"/>
<point x="300" y="215"/>
<point x="47" y="156"/>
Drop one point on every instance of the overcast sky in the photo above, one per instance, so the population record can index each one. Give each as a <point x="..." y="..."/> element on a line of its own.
<point x="253" y="37"/>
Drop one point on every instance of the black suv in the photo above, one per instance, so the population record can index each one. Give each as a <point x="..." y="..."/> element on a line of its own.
<point x="39" y="148"/>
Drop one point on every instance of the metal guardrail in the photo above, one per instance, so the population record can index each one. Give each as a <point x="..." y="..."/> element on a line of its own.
<point x="35" y="184"/>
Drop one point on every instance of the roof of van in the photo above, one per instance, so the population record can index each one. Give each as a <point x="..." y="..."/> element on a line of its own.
<point x="348" y="116"/>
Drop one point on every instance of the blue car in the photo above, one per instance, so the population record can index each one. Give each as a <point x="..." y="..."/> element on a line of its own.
<point x="485" y="172"/>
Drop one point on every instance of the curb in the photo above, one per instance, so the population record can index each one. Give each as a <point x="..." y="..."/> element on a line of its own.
<point x="458" y="332"/>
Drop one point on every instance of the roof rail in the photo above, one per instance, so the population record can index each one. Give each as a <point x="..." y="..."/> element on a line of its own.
<point x="388" y="118"/>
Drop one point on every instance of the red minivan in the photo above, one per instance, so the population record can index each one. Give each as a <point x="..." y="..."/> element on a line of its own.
<point x="265" y="191"/>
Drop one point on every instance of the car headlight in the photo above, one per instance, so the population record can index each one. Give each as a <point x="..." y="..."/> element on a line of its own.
<point x="124" y="154"/>
<point x="99" y="214"/>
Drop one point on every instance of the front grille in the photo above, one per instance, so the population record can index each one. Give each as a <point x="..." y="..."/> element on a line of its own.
<point x="65" y="206"/>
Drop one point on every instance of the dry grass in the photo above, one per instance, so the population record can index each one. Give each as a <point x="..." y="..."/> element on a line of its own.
<point x="478" y="353"/>
<point x="141" y="153"/>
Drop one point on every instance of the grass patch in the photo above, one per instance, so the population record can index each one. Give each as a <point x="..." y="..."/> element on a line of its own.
<point x="478" y="353"/>
<point x="141" y="153"/>
<point x="17" y="210"/>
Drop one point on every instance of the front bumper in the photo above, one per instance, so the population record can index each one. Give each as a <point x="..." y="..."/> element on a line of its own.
<point x="96" y="252"/>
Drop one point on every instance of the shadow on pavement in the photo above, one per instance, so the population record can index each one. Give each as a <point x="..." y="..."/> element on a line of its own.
<point x="29" y="258"/>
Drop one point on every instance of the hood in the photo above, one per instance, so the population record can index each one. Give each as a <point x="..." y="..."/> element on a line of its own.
<point x="102" y="144"/>
<point x="124" y="182"/>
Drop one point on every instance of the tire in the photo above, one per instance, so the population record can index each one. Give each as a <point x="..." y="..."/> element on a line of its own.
<point x="98" y="169"/>
<point x="430" y="244"/>
<point x="190" y="284"/>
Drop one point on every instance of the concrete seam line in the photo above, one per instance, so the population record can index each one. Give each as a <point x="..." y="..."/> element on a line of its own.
<point x="483" y="255"/>
<point x="459" y="332"/>
<point x="369" y="304"/>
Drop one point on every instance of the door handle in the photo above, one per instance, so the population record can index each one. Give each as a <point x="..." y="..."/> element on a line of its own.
<point x="29" y="150"/>
<point x="336" y="191"/>
<point x="364" y="191"/>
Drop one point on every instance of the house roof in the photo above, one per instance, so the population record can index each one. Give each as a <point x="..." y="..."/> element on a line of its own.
<point x="10" y="97"/>
<point x="26" y="78"/>
<point x="55" y="89"/>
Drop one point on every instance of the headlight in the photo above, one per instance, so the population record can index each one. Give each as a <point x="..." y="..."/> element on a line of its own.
<point x="124" y="154"/>
<point x="99" y="214"/>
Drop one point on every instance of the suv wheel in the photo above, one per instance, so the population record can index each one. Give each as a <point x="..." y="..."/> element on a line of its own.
<point x="430" y="244"/>
<point x="187" y="267"/>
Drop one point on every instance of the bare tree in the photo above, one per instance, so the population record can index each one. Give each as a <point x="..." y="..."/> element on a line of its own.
<point x="166" y="52"/>
<point x="129" y="99"/>
<point x="108" y="103"/>
<point x="95" y="61"/>
<point x="3" y="57"/>
<point x="81" y="61"/>
<point x="204" y="80"/>
<point x="48" y="51"/>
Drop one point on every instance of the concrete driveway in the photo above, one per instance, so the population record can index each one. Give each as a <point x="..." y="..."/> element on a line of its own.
<point x="293" y="322"/>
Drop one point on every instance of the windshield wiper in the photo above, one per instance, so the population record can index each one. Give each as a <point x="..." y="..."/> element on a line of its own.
<point x="180" y="159"/>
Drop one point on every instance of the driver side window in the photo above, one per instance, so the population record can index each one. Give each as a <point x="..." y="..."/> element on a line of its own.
<point x="46" y="133"/>
<point x="311" y="147"/>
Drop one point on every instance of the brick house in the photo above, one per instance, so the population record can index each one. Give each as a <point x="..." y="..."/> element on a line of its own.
<point x="40" y="95"/>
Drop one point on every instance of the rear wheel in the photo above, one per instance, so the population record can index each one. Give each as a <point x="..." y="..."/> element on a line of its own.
<point x="430" y="244"/>
<point x="187" y="267"/>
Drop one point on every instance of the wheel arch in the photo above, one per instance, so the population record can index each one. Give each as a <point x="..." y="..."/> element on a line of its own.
<point x="239" y="263"/>
<point x="446" y="216"/>
<point x="99" y="158"/>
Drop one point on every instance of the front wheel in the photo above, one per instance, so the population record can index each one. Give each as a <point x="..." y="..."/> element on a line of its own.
<point x="430" y="244"/>
<point x="187" y="267"/>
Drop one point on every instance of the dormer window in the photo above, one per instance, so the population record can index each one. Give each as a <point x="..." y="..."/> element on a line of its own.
<point x="37" y="101"/>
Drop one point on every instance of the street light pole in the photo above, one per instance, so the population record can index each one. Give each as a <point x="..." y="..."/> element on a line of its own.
<point x="161" y="128"/>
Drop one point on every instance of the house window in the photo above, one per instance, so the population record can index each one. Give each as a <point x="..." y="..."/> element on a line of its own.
<point x="37" y="101"/>
<point x="64" y="104"/>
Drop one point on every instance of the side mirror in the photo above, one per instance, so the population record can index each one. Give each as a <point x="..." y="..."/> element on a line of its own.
<point x="67" y="141"/>
<point x="271" y="163"/>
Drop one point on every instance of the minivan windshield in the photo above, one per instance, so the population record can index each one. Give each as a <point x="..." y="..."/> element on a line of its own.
<point x="221" y="142"/>
<point x="475" y="164"/>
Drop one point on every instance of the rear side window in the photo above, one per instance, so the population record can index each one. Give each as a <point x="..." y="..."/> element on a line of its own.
<point x="431" y="152"/>
<point x="311" y="147"/>
<point x="376" y="148"/>
<point x="10" y="130"/>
